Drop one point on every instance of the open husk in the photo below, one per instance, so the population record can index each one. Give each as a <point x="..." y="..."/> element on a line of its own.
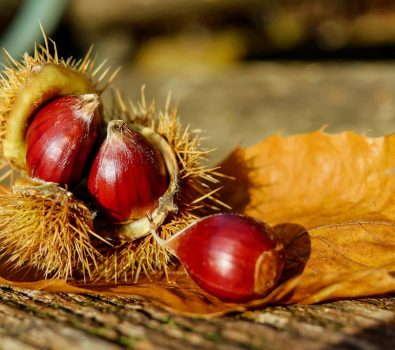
<point x="35" y="80"/>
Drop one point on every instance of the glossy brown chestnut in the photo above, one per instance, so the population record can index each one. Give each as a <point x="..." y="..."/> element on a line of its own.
<point x="230" y="256"/>
<point x="61" y="137"/>
<point x="128" y="174"/>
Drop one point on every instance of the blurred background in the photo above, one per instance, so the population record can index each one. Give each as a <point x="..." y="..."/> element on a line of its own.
<point x="239" y="69"/>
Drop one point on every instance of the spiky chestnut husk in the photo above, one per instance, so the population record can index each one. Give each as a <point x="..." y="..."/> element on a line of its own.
<point x="26" y="86"/>
<point x="193" y="194"/>
<point x="45" y="227"/>
<point x="37" y="79"/>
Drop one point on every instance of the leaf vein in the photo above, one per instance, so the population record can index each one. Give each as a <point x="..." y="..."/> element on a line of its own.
<point x="360" y="223"/>
<point x="337" y="252"/>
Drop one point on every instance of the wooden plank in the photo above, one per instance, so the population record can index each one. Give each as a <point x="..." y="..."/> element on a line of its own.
<point x="41" y="320"/>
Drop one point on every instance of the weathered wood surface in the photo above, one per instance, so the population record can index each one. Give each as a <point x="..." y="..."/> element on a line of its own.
<point x="233" y="105"/>
<point x="39" y="320"/>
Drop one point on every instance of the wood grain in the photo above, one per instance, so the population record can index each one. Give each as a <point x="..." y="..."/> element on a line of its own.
<point x="41" y="320"/>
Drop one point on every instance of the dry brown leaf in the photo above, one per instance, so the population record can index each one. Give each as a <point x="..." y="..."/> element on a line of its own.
<point x="331" y="200"/>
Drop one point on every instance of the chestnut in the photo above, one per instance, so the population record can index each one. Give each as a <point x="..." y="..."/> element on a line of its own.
<point x="61" y="137"/>
<point x="128" y="174"/>
<point x="231" y="256"/>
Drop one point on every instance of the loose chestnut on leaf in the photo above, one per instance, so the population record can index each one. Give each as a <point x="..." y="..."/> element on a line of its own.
<point x="128" y="174"/>
<point x="61" y="137"/>
<point x="230" y="256"/>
